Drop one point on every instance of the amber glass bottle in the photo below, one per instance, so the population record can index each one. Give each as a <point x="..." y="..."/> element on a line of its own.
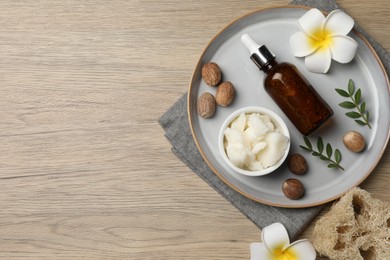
<point x="295" y="96"/>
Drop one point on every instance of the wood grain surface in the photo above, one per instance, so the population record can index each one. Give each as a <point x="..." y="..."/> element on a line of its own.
<point x="85" y="171"/>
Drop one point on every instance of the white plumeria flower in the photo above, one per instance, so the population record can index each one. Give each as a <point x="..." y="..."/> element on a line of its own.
<point x="323" y="39"/>
<point x="276" y="246"/>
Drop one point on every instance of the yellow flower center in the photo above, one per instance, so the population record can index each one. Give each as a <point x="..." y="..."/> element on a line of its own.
<point x="288" y="254"/>
<point x="322" y="38"/>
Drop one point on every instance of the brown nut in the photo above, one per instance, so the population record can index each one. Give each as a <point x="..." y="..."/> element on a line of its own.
<point x="293" y="189"/>
<point x="354" y="141"/>
<point x="225" y="94"/>
<point x="211" y="74"/>
<point x="206" y="105"/>
<point x="297" y="164"/>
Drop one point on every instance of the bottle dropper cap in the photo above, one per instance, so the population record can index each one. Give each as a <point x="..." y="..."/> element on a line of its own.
<point x="260" y="55"/>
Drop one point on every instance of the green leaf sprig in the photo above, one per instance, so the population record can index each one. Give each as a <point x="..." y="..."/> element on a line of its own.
<point x="355" y="103"/>
<point x="333" y="163"/>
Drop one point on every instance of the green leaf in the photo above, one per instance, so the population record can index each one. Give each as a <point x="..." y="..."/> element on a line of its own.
<point x="358" y="96"/>
<point x="314" y="153"/>
<point x="324" y="158"/>
<point x="347" y="104"/>
<point x="337" y="156"/>
<point x="360" y="122"/>
<point x="320" y="145"/>
<point x="329" y="150"/>
<point x="353" y="114"/>
<point x="305" y="148"/>
<point x="355" y="96"/>
<point x="319" y="153"/>
<point x="342" y="92"/>
<point x="351" y="87"/>
<point x="363" y="107"/>
<point x="307" y="142"/>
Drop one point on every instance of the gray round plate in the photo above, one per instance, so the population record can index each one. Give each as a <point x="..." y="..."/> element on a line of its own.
<point x="273" y="27"/>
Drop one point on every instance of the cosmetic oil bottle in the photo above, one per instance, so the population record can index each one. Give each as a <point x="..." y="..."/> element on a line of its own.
<point x="295" y="96"/>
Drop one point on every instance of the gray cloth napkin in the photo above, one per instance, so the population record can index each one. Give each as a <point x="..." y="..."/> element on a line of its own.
<point x="177" y="131"/>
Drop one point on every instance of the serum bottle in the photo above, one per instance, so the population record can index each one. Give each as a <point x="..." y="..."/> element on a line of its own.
<point x="289" y="89"/>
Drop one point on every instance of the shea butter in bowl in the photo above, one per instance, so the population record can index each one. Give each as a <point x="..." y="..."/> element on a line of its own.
<point x="254" y="141"/>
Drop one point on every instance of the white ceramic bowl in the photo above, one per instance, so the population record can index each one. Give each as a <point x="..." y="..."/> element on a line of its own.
<point x="278" y="122"/>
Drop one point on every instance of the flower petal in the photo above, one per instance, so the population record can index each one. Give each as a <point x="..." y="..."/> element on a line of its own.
<point x="300" y="45"/>
<point x="338" y="23"/>
<point x="319" y="61"/>
<point x="259" y="251"/>
<point x="343" y="48"/>
<point x="275" y="237"/>
<point x="312" y="22"/>
<point x="302" y="250"/>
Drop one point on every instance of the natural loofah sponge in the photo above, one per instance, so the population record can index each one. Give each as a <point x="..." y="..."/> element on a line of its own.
<point x="356" y="227"/>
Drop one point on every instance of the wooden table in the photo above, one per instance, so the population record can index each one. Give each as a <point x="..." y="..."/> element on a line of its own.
<point x="85" y="171"/>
